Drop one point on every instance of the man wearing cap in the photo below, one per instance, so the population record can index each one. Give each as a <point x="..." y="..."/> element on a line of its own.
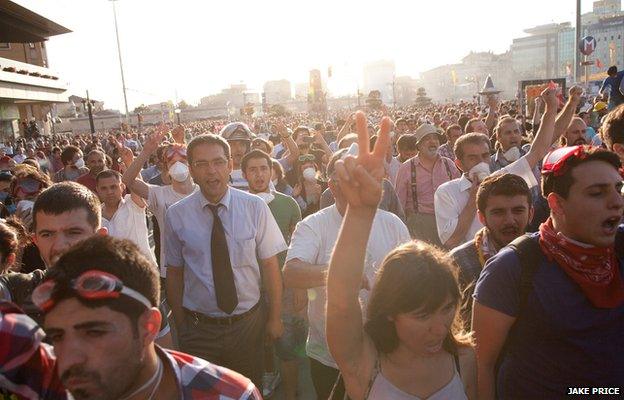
<point x="238" y="136"/>
<point x="418" y="179"/>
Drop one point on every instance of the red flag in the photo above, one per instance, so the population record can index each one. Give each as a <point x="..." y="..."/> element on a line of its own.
<point x="599" y="64"/>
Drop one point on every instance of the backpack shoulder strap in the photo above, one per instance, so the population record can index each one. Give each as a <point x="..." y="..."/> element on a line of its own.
<point x="445" y="161"/>
<point x="528" y="252"/>
<point x="413" y="185"/>
<point x="619" y="242"/>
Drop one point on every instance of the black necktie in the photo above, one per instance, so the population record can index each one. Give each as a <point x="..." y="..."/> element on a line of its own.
<point x="222" y="274"/>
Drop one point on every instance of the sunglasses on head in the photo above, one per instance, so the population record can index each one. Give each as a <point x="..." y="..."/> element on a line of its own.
<point x="307" y="157"/>
<point x="555" y="162"/>
<point x="28" y="185"/>
<point x="173" y="150"/>
<point x="90" y="285"/>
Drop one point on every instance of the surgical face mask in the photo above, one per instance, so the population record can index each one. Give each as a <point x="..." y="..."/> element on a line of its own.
<point x="479" y="172"/>
<point x="309" y="174"/>
<point x="179" y="171"/>
<point x="79" y="163"/>
<point x="267" y="197"/>
<point x="512" y="154"/>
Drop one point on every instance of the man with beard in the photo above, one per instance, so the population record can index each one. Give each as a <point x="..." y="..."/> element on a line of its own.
<point x="509" y="139"/>
<point x="575" y="135"/>
<point x="256" y="167"/>
<point x="504" y="207"/>
<point x="417" y="180"/>
<point x="96" y="162"/>
<point x="100" y="304"/>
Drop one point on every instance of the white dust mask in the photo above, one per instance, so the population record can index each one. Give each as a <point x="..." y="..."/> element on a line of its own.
<point x="512" y="154"/>
<point x="179" y="172"/>
<point x="479" y="172"/>
<point x="309" y="174"/>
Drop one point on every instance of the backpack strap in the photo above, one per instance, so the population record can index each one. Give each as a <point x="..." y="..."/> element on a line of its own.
<point x="528" y="252"/>
<point x="619" y="241"/>
<point x="448" y="169"/>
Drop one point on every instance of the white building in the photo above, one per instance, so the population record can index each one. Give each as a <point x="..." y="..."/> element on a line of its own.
<point x="277" y="92"/>
<point x="379" y="75"/>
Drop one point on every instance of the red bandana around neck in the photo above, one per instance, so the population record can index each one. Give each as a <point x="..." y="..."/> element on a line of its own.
<point x="595" y="269"/>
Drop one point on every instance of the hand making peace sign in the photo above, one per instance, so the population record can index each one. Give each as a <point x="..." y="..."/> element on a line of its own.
<point x="360" y="177"/>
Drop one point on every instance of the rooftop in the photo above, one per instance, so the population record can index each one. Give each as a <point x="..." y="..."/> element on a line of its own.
<point x="20" y="25"/>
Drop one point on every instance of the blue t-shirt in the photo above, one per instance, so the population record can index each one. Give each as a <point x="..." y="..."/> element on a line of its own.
<point x="616" y="97"/>
<point x="561" y="341"/>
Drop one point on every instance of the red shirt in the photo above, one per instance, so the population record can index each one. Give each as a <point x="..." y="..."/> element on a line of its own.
<point x="87" y="180"/>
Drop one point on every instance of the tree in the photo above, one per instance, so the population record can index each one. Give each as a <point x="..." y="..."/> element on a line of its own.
<point x="141" y="109"/>
<point x="278" y="110"/>
<point x="421" y="98"/>
<point x="182" y="105"/>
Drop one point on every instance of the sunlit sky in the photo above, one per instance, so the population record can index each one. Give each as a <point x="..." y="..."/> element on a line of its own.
<point x="196" y="48"/>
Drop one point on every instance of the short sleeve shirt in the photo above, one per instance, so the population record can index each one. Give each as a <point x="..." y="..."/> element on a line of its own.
<point x="560" y="340"/>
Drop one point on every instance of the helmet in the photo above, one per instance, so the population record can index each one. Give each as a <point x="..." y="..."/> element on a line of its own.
<point x="236" y="131"/>
<point x="599" y="106"/>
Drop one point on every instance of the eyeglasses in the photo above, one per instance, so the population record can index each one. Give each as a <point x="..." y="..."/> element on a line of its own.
<point x="90" y="285"/>
<point x="554" y="162"/>
<point x="307" y="157"/>
<point x="218" y="163"/>
<point x="173" y="150"/>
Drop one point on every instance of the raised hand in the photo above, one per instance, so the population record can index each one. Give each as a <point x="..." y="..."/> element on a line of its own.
<point x="550" y="98"/>
<point x="360" y="177"/>
<point x="178" y="134"/>
<point x="154" y="140"/>
<point x="126" y="156"/>
<point x="575" y="93"/>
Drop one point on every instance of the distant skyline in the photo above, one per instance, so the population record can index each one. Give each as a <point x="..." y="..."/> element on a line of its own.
<point x="197" y="48"/>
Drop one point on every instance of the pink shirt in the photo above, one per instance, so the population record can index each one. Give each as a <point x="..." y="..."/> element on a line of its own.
<point x="427" y="182"/>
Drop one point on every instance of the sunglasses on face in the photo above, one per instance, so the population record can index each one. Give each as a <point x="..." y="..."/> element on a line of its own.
<point x="90" y="285"/>
<point x="28" y="185"/>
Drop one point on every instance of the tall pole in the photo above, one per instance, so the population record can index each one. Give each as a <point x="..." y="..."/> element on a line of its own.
<point x="123" y="81"/>
<point x="577" y="52"/>
<point x="90" y="111"/>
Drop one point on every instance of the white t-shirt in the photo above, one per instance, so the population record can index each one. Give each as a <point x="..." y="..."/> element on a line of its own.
<point x="129" y="222"/>
<point x="313" y="242"/>
<point x="159" y="199"/>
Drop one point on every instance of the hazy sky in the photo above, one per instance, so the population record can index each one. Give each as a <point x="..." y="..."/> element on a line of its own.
<point x="199" y="47"/>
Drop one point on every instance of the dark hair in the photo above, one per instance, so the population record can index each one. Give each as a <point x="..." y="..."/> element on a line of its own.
<point x="612" y="128"/>
<point x="208" y="138"/>
<point x="469" y="138"/>
<point x="96" y="151"/>
<point x="612" y="70"/>
<point x="502" y="185"/>
<point x="280" y="170"/>
<point x="257" y="153"/>
<point x="452" y="127"/>
<point x="68" y="196"/>
<point x="413" y="276"/>
<point x="23" y="171"/>
<point x="119" y="257"/>
<point x="68" y="153"/>
<point x="13" y="238"/>
<point x="406" y="143"/>
<point x="107" y="173"/>
<point x="561" y="184"/>
<point x="468" y="126"/>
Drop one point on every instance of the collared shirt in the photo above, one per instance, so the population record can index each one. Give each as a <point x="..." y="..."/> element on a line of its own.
<point x="392" y="168"/>
<point x="251" y="234"/>
<point x="451" y="198"/>
<point x="129" y="222"/>
<point x="313" y="242"/>
<point x="427" y="181"/>
<point x="446" y="150"/>
<point x="200" y="379"/>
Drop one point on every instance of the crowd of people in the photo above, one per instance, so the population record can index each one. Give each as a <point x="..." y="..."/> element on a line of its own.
<point x="456" y="251"/>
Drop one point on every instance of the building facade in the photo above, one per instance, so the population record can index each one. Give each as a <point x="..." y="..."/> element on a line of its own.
<point x="277" y="92"/>
<point x="28" y="88"/>
<point x="379" y="75"/>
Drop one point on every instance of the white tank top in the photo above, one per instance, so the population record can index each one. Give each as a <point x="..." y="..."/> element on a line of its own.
<point x="382" y="388"/>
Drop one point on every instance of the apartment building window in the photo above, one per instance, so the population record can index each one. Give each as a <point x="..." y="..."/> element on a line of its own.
<point x="5" y="45"/>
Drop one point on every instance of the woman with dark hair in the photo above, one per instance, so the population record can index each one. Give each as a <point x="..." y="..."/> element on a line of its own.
<point x="307" y="191"/>
<point x="279" y="179"/>
<point x="409" y="347"/>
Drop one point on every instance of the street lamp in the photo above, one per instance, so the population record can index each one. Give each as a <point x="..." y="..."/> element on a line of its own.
<point x="123" y="81"/>
<point x="177" y="112"/>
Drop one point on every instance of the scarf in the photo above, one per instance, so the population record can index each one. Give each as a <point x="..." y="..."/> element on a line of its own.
<point x="595" y="269"/>
<point x="485" y="247"/>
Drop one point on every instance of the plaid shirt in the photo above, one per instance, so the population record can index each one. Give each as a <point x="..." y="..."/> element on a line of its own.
<point x="446" y="151"/>
<point x="200" y="380"/>
<point x="27" y="366"/>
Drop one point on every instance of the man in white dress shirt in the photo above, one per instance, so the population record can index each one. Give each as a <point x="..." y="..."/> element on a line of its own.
<point x="218" y="240"/>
